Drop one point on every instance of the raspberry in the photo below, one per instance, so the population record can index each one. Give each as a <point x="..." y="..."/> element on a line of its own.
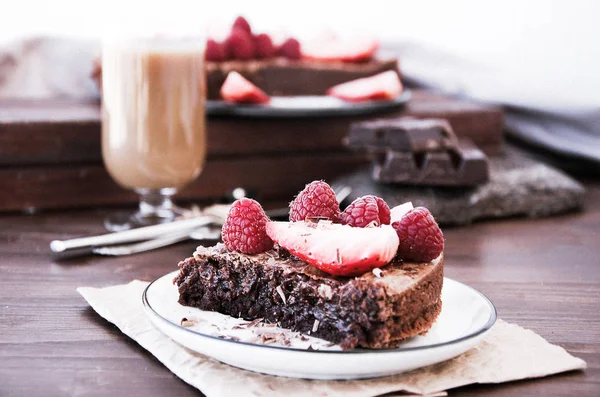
<point x="264" y="47"/>
<point x="245" y="228"/>
<point x="241" y="23"/>
<point x="215" y="51"/>
<point x="316" y="200"/>
<point x="239" y="44"/>
<point x="366" y="210"/>
<point x="290" y="49"/>
<point x="421" y="239"/>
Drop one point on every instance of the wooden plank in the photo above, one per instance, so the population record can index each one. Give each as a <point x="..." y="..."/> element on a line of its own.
<point x="84" y="185"/>
<point x="69" y="132"/>
<point x="541" y="274"/>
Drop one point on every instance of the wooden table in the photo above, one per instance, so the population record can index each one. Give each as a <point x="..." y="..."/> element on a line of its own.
<point x="542" y="274"/>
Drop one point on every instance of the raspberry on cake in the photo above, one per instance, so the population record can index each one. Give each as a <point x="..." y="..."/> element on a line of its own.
<point x="244" y="229"/>
<point x="317" y="277"/>
<point x="366" y="211"/>
<point x="264" y="46"/>
<point x="290" y="49"/>
<point x="317" y="200"/>
<point x="420" y="236"/>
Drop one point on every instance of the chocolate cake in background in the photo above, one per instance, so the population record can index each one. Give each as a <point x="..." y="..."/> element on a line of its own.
<point x="285" y="77"/>
<point x="287" y="68"/>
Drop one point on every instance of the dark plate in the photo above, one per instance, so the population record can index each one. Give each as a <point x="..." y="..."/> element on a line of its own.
<point x="304" y="106"/>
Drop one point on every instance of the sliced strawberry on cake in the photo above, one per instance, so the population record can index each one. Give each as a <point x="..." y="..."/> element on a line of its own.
<point x="341" y="250"/>
<point x="382" y="86"/>
<point x="237" y="89"/>
<point x="342" y="50"/>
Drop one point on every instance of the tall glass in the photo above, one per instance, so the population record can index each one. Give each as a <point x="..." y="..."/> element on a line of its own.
<point x="153" y="121"/>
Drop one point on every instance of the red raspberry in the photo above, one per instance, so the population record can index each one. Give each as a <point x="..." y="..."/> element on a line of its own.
<point x="215" y="51"/>
<point x="241" y="23"/>
<point x="366" y="210"/>
<point x="316" y="200"/>
<point x="239" y="44"/>
<point x="290" y="49"/>
<point x="264" y="47"/>
<point x="245" y="229"/>
<point x="421" y="239"/>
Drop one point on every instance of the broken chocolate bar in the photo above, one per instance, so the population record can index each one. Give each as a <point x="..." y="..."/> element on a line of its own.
<point x="419" y="152"/>
<point x="405" y="134"/>
<point x="464" y="165"/>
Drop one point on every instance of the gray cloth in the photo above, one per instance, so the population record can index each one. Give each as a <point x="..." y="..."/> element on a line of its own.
<point x="536" y="113"/>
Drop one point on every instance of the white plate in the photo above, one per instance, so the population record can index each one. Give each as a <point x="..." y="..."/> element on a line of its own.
<point x="465" y="318"/>
<point x="304" y="106"/>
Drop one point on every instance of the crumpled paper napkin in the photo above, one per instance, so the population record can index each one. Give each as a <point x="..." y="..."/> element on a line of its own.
<point x="508" y="352"/>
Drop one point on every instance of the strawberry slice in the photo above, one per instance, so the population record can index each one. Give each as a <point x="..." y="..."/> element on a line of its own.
<point x="340" y="250"/>
<point x="344" y="50"/>
<point x="399" y="211"/>
<point x="382" y="86"/>
<point x="237" y="89"/>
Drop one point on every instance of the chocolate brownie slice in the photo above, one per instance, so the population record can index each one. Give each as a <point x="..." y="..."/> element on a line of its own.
<point x="375" y="310"/>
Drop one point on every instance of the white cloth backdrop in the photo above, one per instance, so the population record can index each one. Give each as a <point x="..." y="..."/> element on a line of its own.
<point x="540" y="58"/>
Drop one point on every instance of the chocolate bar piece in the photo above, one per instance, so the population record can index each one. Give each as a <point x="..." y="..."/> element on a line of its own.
<point x="419" y="152"/>
<point x="405" y="134"/>
<point x="464" y="165"/>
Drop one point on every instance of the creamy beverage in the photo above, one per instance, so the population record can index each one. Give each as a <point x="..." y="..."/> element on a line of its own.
<point x="153" y="121"/>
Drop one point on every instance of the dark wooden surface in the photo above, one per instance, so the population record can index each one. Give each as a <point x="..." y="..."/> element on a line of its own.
<point x="68" y="186"/>
<point x="50" y="153"/>
<point x="59" y="132"/>
<point x="542" y="274"/>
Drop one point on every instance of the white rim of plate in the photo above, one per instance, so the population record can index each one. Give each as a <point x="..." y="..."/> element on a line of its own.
<point x="486" y="327"/>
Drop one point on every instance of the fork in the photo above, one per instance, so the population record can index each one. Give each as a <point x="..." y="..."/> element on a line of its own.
<point x="205" y="233"/>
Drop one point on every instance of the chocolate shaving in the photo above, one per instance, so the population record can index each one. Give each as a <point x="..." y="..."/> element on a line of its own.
<point x="281" y="294"/>
<point x="373" y="224"/>
<point x="266" y="331"/>
<point x="254" y="322"/>
<point x="185" y="322"/>
<point x="315" y="326"/>
<point x="315" y="219"/>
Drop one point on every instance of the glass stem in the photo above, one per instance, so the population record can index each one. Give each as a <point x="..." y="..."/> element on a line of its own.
<point x="156" y="204"/>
